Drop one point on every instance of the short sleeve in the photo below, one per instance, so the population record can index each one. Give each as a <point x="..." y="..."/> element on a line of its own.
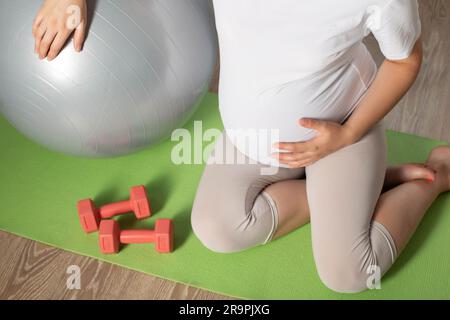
<point x="396" y="26"/>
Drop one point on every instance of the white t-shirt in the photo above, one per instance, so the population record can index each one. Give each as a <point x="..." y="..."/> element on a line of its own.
<point x="282" y="60"/>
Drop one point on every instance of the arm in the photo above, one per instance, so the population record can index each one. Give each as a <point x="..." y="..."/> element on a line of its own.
<point x="392" y="82"/>
<point x="55" y="22"/>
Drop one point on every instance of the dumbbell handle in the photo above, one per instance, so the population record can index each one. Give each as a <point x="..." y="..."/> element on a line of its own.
<point x="114" y="209"/>
<point x="137" y="236"/>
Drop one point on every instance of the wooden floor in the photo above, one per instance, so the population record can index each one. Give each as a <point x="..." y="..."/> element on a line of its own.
<point x="29" y="270"/>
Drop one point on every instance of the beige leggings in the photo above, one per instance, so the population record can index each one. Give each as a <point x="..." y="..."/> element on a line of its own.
<point x="232" y="212"/>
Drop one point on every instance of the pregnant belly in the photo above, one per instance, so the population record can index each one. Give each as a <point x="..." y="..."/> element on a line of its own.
<point x="254" y="121"/>
<point x="282" y="122"/>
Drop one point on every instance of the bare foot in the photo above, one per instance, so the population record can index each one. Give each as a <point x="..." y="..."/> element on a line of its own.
<point x="412" y="171"/>
<point x="439" y="160"/>
<point x="399" y="174"/>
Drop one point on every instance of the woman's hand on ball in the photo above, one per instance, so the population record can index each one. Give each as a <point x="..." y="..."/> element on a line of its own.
<point x="330" y="137"/>
<point x="55" y="22"/>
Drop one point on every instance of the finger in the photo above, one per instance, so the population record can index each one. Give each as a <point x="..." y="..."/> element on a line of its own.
<point x="46" y="42"/>
<point x="311" y="123"/>
<point x="291" y="156"/>
<point x="289" y="162"/>
<point x="300" y="164"/>
<point x="36" y="23"/>
<point x="79" y="36"/>
<point x="42" y="29"/>
<point x="294" y="146"/>
<point x="57" y="44"/>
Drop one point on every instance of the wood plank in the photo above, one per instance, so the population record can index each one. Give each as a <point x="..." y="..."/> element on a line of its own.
<point x="30" y="270"/>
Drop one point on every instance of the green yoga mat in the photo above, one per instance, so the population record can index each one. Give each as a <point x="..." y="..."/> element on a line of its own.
<point x="39" y="190"/>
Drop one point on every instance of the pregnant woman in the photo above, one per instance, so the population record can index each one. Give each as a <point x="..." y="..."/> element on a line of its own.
<point x="284" y="60"/>
<point x="299" y="71"/>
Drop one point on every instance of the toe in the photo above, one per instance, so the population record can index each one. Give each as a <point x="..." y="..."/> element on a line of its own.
<point x="417" y="172"/>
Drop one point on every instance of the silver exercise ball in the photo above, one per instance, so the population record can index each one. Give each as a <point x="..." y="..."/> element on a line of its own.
<point x="145" y="66"/>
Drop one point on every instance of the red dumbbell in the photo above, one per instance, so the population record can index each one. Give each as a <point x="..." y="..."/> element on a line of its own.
<point x="90" y="215"/>
<point x="110" y="236"/>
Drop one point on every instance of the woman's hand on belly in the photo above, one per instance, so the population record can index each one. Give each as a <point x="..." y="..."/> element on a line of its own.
<point x="330" y="137"/>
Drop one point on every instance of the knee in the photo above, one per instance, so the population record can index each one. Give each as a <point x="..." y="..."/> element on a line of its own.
<point x="229" y="229"/>
<point x="346" y="276"/>
<point x="213" y="234"/>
